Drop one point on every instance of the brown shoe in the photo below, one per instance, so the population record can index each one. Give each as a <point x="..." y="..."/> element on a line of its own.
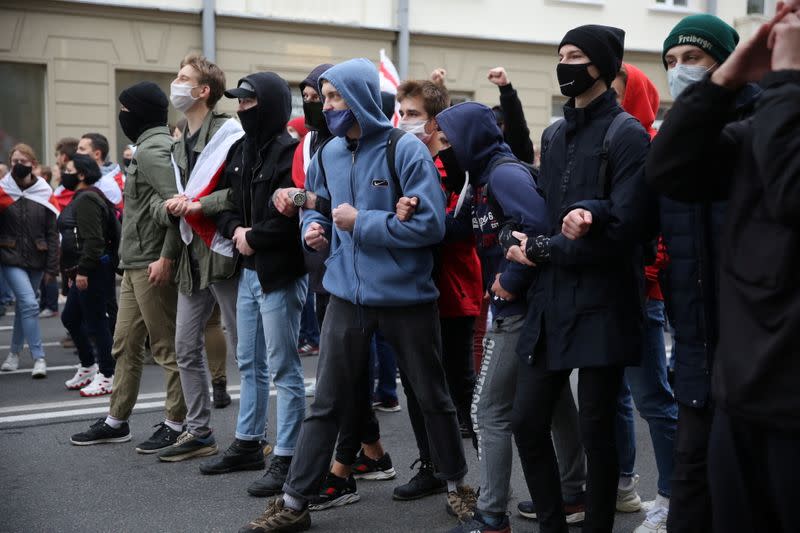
<point x="279" y="519"/>
<point x="462" y="502"/>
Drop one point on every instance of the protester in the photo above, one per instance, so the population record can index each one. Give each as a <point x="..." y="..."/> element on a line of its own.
<point x="512" y="117"/>
<point x="112" y="182"/>
<point x="89" y="257"/>
<point x="28" y="251"/>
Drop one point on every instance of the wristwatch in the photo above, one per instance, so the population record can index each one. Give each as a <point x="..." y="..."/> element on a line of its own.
<point x="299" y="198"/>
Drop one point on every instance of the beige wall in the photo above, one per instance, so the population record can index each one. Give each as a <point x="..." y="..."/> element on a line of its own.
<point x="84" y="45"/>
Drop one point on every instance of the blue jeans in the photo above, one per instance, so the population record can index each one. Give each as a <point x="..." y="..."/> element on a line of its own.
<point x="309" y="329"/>
<point x="267" y="327"/>
<point x="384" y="364"/>
<point x="647" y="386"/>
<point x="6" y="296"/>
<point x="23" y="284"/>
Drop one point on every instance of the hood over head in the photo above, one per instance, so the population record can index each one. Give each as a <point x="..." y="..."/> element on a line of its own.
<point x="471" y="129"/>
<point x="274" y="104"/>
<point x="358" y="82"/>
<point x="641" y="98"/>
<point x="313" y="77"/>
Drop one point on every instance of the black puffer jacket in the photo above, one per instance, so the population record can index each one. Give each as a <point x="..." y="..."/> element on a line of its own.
<point x="256" y="169"/>
<point x="28" y="237"/>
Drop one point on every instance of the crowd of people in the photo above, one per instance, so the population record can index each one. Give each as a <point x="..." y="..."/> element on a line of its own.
<point x="384" y="248"/>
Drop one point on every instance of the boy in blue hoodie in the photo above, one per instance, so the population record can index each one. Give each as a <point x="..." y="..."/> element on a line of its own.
<point x="379" y="276"/>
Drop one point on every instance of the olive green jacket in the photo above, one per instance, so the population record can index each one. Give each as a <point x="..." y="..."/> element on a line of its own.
<point x="149" y="176"/>
<point x="212" y="266"/>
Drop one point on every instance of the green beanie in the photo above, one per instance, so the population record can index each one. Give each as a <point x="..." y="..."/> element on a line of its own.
<point x="707" y="32"/>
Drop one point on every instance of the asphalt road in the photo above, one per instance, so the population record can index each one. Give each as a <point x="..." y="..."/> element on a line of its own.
<point x="48" y="485"/>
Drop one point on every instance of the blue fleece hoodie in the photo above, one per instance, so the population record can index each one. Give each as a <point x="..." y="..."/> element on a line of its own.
<point x="477" y="142"/>
<point x="383" y="261"/>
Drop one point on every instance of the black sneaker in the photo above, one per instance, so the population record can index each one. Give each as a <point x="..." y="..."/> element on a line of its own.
<point x="163" y="437"/>
<point x="219" y="391"/>
<point x="574" y="509"/>
<point x="188" y="446"/>
<point x="366" y="468"/>
<point x="424" y="483"/>
<point x="274" y="478"/>
<point x="100" y="433"/>
<point x="335" y="492"/>
<point x="479" y="524"/>
<point x="241" y="455"/>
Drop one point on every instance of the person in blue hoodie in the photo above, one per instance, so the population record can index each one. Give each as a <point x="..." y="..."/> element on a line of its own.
<point x="379" y="274"/>
<point x="504" y="192"/>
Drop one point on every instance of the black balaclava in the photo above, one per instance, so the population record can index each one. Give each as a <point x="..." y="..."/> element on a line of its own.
<point x="314" y="118"/>
<point x="147" y="108"/>
<point x="603" y="45"/>
<point x="268" y="118"/>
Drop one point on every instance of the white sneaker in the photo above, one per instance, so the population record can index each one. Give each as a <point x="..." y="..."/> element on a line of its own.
<point x="39" y="369"/>
<point x="82" y="377"/>
<point x="311" y="390"/>
<point x="48" y="313"/>
<point x="628" y="500"/>
<point x="11" y="363"/>
<point x="656" y="521"/>
<point x="99" y="386"/>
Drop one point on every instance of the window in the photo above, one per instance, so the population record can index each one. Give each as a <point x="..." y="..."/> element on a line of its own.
<point x="297" y="100"/>
<point x="557" y="108"/>
<point x="459" y="97"/>
<point x="22" y="111"/>
<point x="673" y="3"/>
<point x="126" y="78"/>
<point x="761" y="7"/>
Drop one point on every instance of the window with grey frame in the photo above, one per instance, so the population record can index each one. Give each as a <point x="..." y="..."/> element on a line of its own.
<point x="22" y="108"/>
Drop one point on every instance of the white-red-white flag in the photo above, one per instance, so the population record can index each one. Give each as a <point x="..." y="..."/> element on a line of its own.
<point x="390" y="80"/>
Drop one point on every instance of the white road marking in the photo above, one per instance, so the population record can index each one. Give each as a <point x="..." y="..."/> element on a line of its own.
<point x="45" y="344"/>
<point x="49" y="369"/>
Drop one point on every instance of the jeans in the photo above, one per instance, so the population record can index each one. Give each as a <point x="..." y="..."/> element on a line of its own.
<point x="268" y="326"/>
<point x="753" y="473"/>
<point x="23" y="284"/>
<point x="384" y="364"/>
<point x="309" y="328"/>
<point x="538" y="391"/>
<point x="413" y="331"/>
<point x="86" y="318"/>
<point x="648" y="388"/>
<point x="6" y="296"/>
<point x="49" y="295"/>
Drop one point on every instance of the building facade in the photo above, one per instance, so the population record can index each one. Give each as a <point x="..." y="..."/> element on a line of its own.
<point x="64" y="62"/>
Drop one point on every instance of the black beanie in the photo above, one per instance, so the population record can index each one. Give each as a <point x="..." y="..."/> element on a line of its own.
<point x="147" y="102"/>
<point x="603" y="45"/>
<point x="313" y="77"/>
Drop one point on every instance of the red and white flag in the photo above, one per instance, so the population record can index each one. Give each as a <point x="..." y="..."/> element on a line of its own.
<point x="390" y="80"/>
<point x="202" y="181"/>
<point x="40" y="192"/>
<point x="110" y="184"/>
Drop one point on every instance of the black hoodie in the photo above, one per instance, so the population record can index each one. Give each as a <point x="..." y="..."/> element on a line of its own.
<point x="257" y="165"/>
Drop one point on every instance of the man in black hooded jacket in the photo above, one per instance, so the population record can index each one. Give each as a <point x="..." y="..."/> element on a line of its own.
<point x="272" y="286"/>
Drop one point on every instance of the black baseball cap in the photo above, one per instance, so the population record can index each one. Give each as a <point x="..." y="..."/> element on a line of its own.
<point x="244" y="90"/>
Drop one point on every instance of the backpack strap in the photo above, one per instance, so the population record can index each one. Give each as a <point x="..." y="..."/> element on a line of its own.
<point x="319" y="162"/>
<point x="603" y="179"/>
<point x="549" y="134"/>
<point x="391" y="149"/>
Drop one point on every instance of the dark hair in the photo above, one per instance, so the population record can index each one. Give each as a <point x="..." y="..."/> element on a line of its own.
<point x="86" y="166"/>
<point x="67" y="146"/>
<point x="435" y="98"/>
<point x="99" y="142"/>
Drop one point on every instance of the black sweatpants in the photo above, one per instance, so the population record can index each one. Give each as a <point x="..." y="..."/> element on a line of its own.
<point x="413" y="332"/>
<point x="538" y="389"/>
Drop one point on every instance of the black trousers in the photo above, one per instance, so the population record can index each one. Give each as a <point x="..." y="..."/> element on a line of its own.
<point x="413" y="331"/>
<point x="457" y="341"/>
<point x="753" y="473"/>
<point x="538" y="389"/>
<point x="358" y="426"/>
<point x="690" y="501"/>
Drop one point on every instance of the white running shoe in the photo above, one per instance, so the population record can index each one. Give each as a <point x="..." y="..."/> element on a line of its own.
<point x="83" y="376"/>
<point x="11" y="363"/>
<point x="628" y="500"/>
<point x="39" y="369"/>
<point x="99" y="386"/>
<point x="656" y="521"/>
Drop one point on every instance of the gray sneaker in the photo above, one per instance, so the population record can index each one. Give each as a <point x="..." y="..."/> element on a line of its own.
<point x="188" y="446"/>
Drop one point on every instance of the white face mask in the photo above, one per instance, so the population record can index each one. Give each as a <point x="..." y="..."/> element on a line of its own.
<point x="416" y="128"/>
<point x="681" y="76"/>
<point x="181" y="96"/>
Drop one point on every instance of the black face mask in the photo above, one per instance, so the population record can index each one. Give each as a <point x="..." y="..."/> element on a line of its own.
<point x="20" y="171"/>
<point x="314" y="117"/>
<point x="69" y="181"/>
<point x="126" y="161"/>
<point x="249" y="120"/>
<point x="574" y="80"/>
<point x="131" y="125"/>
<point x="455" y="174"/>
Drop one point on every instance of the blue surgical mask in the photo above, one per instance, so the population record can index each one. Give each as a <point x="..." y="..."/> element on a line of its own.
<point x="681" y="76"/>
<point x="339" y="122"/>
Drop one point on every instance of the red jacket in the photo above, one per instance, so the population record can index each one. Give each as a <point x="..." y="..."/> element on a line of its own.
<point x="459" y="279"/>
<point x="641" y="100"/>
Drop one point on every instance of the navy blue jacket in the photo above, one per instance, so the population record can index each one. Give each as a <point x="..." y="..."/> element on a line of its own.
<point x="503" y="193"/>
<point x="690" y="282"/>
<point x="588" y="304"/>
